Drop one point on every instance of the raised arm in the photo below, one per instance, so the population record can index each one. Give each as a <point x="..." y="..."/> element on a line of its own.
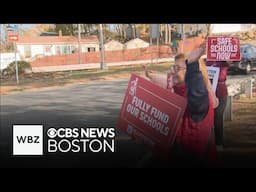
<point x="197" y="92"/>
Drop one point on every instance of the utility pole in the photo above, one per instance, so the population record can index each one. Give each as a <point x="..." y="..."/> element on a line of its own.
<point x="102" y="63"/>
<point x="14" y="38"/>
<point x="166" y="33"/>
<point x="1" y="46"/>
<point x="79" y="43"/>
<point x="182" y="37"/>
<point x="16" y="64"/>
<point x="151" y="43"/>
<point x="157" y="43"/>
<point x="134" y="31"/>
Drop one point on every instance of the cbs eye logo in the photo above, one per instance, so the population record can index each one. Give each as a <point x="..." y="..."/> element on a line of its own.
<point x="52" y="133"/>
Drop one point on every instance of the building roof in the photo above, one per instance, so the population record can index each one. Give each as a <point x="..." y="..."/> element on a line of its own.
<point x="56" y="39"/>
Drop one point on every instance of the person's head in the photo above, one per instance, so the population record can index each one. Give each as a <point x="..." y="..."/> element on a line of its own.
<point x="179" y="68"/>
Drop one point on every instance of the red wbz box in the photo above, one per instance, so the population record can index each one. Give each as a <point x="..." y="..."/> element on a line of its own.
<point x="151" y="114"/>
<point x="223" y="48"/>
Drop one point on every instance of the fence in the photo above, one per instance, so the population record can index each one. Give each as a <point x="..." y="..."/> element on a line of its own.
<point x="238" y="87"/>
<point x="92" y="59"/>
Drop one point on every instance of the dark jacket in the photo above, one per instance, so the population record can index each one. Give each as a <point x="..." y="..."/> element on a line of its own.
<point x="196" y="125"/>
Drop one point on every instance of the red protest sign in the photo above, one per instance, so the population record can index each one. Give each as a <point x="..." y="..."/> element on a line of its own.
<point x="13" y="37"/>
<point x="223" y="48"/>
<point x="151" y="114"/>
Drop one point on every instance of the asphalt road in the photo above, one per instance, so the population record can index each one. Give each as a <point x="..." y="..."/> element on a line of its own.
<point x="96" y="104"/>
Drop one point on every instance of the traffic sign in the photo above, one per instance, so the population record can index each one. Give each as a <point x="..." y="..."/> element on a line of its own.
<point x="13" y="37"/>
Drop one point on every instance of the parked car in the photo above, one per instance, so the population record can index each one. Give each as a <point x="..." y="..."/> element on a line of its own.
<point x="248" y="59"/>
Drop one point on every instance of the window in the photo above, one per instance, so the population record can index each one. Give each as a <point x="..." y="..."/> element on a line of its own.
<point x="58" y="50"/>
<point x="73" y="49"/>
<point x="253" y="49"/>
<point x="249" y="50"/>
<point x="64" y="49"/>
<point x="243" y="49"/>
<point x="91" y="49"/>
<point x="47" y="49"/>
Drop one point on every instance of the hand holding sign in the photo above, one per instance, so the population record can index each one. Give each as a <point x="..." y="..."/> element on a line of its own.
<point x="147" y="72"/>
<point x="159" y="79"/>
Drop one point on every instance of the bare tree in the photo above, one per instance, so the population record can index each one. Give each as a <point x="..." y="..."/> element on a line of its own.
<point x="208" y="29"/>
<point x="121" y="30"/>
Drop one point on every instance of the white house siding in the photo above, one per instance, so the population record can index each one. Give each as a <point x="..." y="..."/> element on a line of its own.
<point x="34" y="50"/>
<point x="20" y="49"/>
<point x="49" y="49"/>
<point x="37" y="50"/>
<point x="40" y="49"/>
<point x="85" y="46"/>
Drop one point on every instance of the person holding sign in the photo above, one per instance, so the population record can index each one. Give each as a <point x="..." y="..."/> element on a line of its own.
<point x="194" y="145"/>
<point x="221" y="51"/>
<point x="221" y="93"/>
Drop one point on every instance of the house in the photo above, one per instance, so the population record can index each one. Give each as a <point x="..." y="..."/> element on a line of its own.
<point x="136" y="43"/>
<point x="29" y="47"/>
<point x="113" y="46"/>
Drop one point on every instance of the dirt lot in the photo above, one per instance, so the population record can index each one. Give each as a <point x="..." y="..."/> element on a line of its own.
<point x="241" y="132"/>
<point x="240" y="135"/>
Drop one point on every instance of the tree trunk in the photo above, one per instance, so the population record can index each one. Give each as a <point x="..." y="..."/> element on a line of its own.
<point x="208" y="27"/>
<point x="166" y="33"/>
<point x="134" y="31"/>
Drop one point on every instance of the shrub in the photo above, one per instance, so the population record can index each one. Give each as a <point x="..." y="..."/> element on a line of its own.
<point x="22" y="66"/>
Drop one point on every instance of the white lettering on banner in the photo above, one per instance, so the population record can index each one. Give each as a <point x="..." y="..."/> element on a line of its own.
<point x="140" y="104"/>
<point x="133" y="87"/>
<point x="132" y="110"/>
<point x="213" y="74"/>
<point x="223" y="48"/>
<point x="157" y="125"/>
<point x="159" y="115"/>
<point x="149" y="115"/>
<point x="223" y="56"/>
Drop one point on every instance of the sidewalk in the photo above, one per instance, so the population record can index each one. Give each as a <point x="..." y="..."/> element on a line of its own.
<point x="97" y="65"/>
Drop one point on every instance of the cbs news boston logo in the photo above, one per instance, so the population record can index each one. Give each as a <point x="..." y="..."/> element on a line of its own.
<point x="28" y="140"/>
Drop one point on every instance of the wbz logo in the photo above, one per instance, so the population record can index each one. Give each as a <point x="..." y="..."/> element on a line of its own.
<point x="27" y="139"/>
